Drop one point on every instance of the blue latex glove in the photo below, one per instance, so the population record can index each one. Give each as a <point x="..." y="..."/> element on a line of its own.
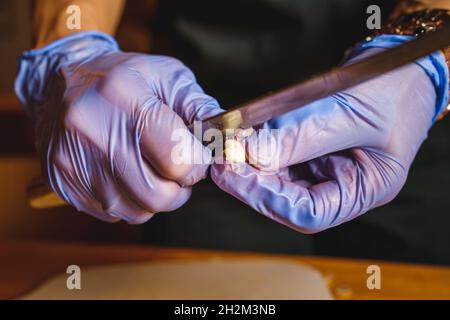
<point x="346" y="154"/>
<point x="104" y="124"/>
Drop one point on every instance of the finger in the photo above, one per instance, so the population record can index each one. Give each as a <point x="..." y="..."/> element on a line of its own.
<point x="150" y="120"/>
<point x="320" y="128"/>
<point x="85" y="178"/>
<point x="361" y="116"/>
<point x="165" y="77"/>
<point x="169" y="147"/>
<point x="178" y="88"/>
<point x="142" y="184"/>
<point x="189" y="100"/>
<point x="366" y="178"/>
<point x="76" y="194"/>
<point x="115" y="202"/>
<point x="344" y="188"/>
<point x="125" y="209"/>
<point x="277" y="199"/>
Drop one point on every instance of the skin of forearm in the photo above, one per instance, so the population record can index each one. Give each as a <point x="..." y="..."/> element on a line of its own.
<point x="418" y="5"/>
<point x="436" y="4"/>
<point x="50" y="18"/>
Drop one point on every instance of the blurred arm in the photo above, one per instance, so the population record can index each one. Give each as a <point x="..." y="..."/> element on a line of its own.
<point x="410" y="6"/>
<point x="50" y="18"/>
<point x="436" y="4"/>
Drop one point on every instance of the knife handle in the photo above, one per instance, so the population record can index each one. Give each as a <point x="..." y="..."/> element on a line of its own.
<point x="41" y="196"/>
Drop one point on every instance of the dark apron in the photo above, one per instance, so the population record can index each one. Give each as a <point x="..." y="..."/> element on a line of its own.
<point x="241" y="49"/>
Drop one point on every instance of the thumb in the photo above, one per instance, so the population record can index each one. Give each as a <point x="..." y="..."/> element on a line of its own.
<point x="321" y="128"/>
<point x="200" y="106"/>
<point x="186" y="97"/>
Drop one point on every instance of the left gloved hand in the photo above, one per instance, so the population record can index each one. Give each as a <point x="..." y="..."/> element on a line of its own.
<point x="346" y="154"/>
<point x="108" y="124"/>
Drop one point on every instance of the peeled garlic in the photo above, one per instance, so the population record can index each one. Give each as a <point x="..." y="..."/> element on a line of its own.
<point x="234" y="151"/>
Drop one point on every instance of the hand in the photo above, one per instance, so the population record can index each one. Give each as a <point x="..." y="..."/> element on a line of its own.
<point x="104" y="125"/>
<point x="343" y="155"/>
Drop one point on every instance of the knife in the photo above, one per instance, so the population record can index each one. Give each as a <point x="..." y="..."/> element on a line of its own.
<point x="262" y="109"/>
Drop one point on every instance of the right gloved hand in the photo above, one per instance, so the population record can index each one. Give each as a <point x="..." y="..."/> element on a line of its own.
<point x="343" y="155"/>
<point x="104" y="125"/>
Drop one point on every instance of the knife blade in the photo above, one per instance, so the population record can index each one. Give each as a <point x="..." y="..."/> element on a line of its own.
<point x="269" y="106"/>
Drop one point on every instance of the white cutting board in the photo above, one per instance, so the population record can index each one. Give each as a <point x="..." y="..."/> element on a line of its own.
<point x="192" y="279"/>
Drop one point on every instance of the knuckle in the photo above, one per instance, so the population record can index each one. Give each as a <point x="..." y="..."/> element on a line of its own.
<point x="398" y="181"/>
<point x="181" y="173"/>
<point x="71" y="120"/>
<point x="139" y="218"/>
<point x="173" y="62"/>
<point x="163" y="200"/>
<point x="150" y="63"/>
<point x="173" y="65"/>
<point x="59" y="161"/>
<point x="386" y="178"/>
<point x="308" y="223"/>
<point x="115" y="82"/>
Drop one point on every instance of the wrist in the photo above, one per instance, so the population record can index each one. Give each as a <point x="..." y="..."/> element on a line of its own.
<point x="73" y="48"/>
<point x="38" y="67"/>
<point x="434" y="65"/>
<point x="45" y="40"/>
<point x="418" y="17"/>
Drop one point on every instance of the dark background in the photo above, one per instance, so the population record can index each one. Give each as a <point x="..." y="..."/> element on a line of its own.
<point x="239" y="50"/>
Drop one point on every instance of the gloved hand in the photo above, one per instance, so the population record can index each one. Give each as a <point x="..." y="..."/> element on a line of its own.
<point x="344" y="155"/>
<point x="105" y="121"/>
